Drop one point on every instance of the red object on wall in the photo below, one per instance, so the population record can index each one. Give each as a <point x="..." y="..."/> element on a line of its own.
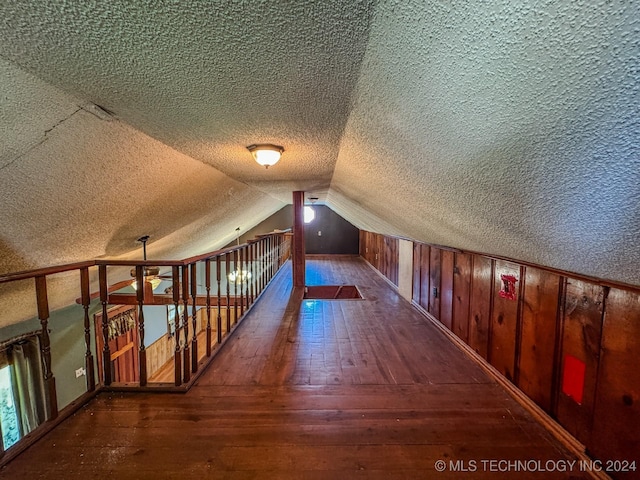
<point x="509" y="286"/>
<point x="573" y="378"/>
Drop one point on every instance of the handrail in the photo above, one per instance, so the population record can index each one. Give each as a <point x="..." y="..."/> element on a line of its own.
<point x="52" y="270"/>
<point x="142" y="263"/>
<point x="41" y="272"/>
<point x="204" y="256"/>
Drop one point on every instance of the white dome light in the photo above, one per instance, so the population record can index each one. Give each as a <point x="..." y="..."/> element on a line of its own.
<point x="266" y="154"/>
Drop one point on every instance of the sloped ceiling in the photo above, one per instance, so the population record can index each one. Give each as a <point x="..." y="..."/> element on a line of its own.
<point x="502" y="127"/>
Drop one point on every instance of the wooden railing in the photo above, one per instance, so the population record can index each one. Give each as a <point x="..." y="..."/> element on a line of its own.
<point x="214" y="290"/>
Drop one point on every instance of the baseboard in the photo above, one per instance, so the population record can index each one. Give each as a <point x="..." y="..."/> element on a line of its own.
<point x="381" y="275"/>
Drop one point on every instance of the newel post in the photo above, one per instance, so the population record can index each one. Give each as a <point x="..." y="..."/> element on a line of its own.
<point x="104" y="300"/>
<point x="88" y="356"/>
<point x="45" y="345"/>
<point x="142" y="351"/>
<point x="175" y="290"/>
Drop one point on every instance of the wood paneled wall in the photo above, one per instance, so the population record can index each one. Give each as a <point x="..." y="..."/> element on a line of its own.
<point x="571" y="345"/>
<point x="382" y="252"/>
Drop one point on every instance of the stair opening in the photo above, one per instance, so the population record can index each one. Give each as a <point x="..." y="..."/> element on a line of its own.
<point x="332" y="292"/>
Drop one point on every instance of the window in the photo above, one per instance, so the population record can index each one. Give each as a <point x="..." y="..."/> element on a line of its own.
<point x="8" y="409"/>
<point x="173" y="320"/>
<point x="309" y="214"/>
<point x="22" y="393"/>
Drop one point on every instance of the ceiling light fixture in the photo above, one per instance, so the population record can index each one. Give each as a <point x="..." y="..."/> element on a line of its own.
<point x="266" y="154"/>
<point x="150" y="274"/>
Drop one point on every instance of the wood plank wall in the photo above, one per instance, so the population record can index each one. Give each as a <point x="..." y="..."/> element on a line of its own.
<point x="571" y="345"/>
<point x="382" y="252"/>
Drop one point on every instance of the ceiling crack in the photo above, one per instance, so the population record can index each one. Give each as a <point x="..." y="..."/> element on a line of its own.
<point x="46" y="132"/>
<point x="41" y="141"/>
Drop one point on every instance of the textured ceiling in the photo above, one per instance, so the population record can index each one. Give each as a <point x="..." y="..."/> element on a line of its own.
<point x="208" y="78"/>
<point x="505" y="128"/>
<point x="502" y="127"/>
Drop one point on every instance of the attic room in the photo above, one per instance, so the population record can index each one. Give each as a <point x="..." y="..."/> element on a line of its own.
<point x="474" y="170"/>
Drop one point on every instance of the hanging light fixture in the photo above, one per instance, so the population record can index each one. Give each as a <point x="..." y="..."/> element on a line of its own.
<point x="266" y="154"/>
<point x="239" y="275"/>
<point x="150" y="274"/>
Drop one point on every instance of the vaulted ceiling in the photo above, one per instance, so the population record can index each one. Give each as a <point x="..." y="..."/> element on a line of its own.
<point x="501" y="127"/>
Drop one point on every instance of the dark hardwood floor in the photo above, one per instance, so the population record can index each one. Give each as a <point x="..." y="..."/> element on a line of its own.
<point x="310" y="389"/>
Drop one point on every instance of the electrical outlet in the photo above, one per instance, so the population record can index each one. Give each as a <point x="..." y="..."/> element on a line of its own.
<point x="80" y="372"/>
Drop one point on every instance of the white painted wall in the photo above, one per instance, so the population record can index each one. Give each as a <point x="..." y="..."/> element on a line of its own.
<point x="405" y="268"/>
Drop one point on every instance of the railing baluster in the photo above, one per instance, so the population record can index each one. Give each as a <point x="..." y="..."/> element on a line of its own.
<point x="235" y="287"/>
<point x="88" y="356"/>
<point x="279" y="257"/>
<point x="283" y="249"/>
<point x="271" y="263"/>
<point x="256" y="267"/>
<point x="194" y="318"/>
<point x="263" y="269"/>
<point x="45" y="345"/>
<point x="242" y="279"/>
<point x="207" y="284"/>
<point x="266" y="262"/>
<point x="270" y="258"/>
<point x="252" y="270"/>
<point x="246" y="281"/>
<point x="227" y="271"/>
<point x="256" y="260"/>
<point x="261" y="251"/>
<point x="274" y="251"/>
<point x="219" y="319"/>
<point x="177" y="360"/>
<point x="104" y="298"/>
<point x="186" y="365"/>
<point x="142" y="353"/>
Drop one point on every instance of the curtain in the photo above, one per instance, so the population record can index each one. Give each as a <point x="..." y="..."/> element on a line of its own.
<point x="27" y="368"/>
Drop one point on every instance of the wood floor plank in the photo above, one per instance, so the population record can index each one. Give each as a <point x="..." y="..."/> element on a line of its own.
<point x="308" y="389"/>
